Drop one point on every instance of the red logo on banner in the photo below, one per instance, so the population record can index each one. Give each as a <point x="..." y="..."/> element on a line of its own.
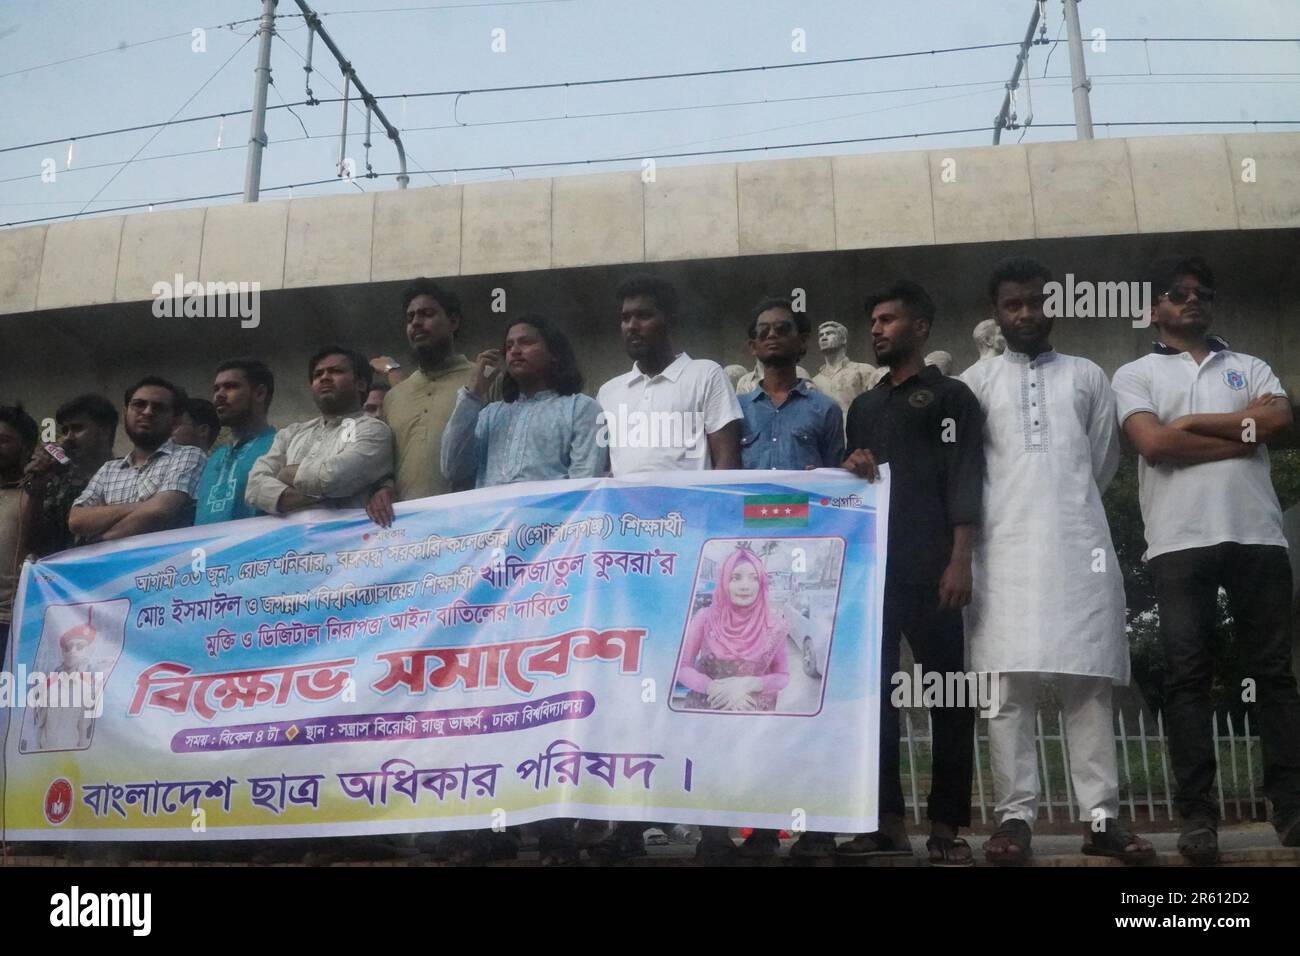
<point x="58" y="801"/>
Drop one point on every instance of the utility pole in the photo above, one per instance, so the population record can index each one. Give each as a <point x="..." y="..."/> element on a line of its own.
<point x="262" y="79"/>
<point x="1079" y="82"/>
<point x="1022" y="57"/>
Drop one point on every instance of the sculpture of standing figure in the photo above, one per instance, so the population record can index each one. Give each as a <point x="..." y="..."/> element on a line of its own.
<point x="840" y="377"/>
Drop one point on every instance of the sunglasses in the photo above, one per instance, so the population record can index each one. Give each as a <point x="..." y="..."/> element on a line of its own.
<point x="763" y="329"/>
<point x="1182" y="296"/>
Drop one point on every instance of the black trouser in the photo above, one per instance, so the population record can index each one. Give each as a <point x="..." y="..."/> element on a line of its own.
<point x="938" y="644"/>
<point x="1257" y="579"/>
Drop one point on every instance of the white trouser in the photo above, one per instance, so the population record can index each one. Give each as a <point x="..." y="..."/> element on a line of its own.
<point x="1090" y="736"/>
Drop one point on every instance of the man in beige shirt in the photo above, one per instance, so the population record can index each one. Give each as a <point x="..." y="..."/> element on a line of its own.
<point x="332" y="460"/>
<point x="417" y="408"/>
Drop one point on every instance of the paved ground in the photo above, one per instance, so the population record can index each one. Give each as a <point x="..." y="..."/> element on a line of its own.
<point x="1243" y="845"/>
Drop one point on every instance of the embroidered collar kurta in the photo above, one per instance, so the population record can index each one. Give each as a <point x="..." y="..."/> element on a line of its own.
<point x="1048" y="593"/>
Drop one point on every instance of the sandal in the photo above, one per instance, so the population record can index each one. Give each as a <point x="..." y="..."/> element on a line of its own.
<point x="1009" y="844"/>
<point x="949" y="851"/>
<point x="1199" y="842"/>
<point x="1120" y="844"/>
<point x="877" y="843"/>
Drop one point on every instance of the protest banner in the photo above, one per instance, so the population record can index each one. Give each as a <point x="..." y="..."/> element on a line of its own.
<point x="697" y="648"/>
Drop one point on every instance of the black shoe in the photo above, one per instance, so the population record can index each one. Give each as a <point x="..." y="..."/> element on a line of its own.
<point x="813" y="846"/>
<point x="877" y="843"/>
<point x="716" y="851"/>
<point x="1288" y="828"/>
<point x="618" y="847"/>
<point x="1199" y="842"/>
<point x="759" y="845"/>
<point x="503" y="846"/>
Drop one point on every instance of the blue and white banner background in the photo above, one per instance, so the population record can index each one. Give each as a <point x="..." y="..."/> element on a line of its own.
<point x="496" y="657"/>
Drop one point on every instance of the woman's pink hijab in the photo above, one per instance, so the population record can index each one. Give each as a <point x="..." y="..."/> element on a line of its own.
<point x="742" y="633"/>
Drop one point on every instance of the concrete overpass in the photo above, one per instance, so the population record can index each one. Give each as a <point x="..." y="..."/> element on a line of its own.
<point x="75" y="297"/>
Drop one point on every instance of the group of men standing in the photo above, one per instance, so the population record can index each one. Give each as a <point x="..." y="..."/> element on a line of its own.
<point x="1006" y="564"/>
<point x="998" y="479"/>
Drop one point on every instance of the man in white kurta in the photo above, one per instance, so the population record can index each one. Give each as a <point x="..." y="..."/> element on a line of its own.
<point x="1048" y="597"/>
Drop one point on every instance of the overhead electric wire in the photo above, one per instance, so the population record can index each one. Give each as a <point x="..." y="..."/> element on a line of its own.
<point x="516" y="88"/>
<point x="187" y="102"/>
<point x="694" y="153"/>
<point x="127" y="46"/>
<point x="640" y="78"/>
<point x="1101" y="79"/>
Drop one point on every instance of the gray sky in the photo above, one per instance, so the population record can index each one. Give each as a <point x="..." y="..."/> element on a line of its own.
<point x="448" y="46"/>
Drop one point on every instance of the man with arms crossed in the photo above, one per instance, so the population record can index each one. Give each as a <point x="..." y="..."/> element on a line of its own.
<point x="1201" y="417"/>
<point x="153" y="487"/>
<point x="332" y="460"/>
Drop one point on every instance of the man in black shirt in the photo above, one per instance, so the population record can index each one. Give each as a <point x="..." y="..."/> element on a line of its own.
<point x="929" y="429"/>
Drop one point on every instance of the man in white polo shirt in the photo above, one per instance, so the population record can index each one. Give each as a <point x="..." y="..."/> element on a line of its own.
<point x="670" y="413"/>
<point x="1201" y="416"/>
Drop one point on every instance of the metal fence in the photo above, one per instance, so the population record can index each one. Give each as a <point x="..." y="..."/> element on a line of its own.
<point x="1145" y="777"/>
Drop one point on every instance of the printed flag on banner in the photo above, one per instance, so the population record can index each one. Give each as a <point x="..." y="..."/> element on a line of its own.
<point x="542" y="650"/>
<point x="776" y="511"/>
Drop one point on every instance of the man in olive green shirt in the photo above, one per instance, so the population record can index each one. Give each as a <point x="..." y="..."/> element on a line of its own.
<point x="417" y="408"/>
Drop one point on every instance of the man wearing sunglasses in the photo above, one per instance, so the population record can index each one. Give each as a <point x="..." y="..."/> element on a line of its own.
<point x="1201" y="417"/>
<point x="788" y="423"/>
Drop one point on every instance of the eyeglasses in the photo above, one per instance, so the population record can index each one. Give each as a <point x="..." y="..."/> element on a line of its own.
<point x="140" y="405"/>
<point x="763" y="329"/>
<point x="1181" y="296"/>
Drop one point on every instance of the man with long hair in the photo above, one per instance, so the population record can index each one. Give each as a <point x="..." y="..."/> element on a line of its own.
<point x="545" y="428"/>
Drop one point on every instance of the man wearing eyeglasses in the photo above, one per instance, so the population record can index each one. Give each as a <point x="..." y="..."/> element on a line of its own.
<point x="1201" y="417"/>
<point x="152" y="488"/>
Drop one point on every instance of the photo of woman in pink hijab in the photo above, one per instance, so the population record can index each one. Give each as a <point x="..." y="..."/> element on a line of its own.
<point x="734" y="655"/>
